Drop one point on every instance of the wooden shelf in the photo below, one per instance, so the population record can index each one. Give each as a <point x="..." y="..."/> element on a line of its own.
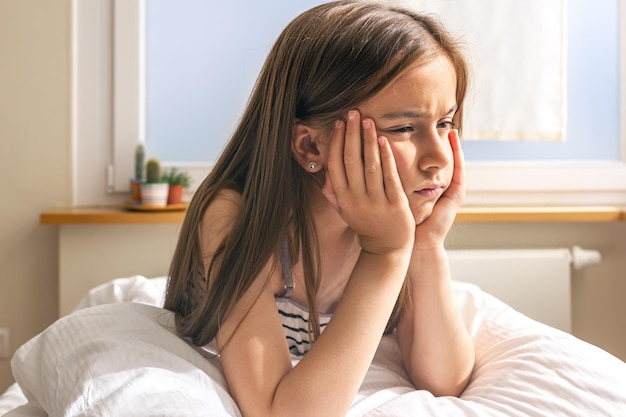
<point x="108" y="215"/>
<point x="540" y="214"/>
<point x="119" y="215"/>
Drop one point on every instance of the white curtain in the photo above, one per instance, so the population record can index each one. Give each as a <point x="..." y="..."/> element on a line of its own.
<point x="517" y="51"/>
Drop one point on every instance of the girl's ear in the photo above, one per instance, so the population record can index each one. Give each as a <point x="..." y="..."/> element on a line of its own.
<point x="307" y="147"/>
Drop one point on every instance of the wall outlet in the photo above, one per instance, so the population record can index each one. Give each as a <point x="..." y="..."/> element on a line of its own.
<point x="4" y="344"/>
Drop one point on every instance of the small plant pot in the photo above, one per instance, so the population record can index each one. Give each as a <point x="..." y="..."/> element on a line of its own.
<point x="154" y="194"/>
<point x="175" y="194"/>
<point x="135" y="191"/>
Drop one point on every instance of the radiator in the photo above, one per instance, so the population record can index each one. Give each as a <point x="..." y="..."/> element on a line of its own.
<point x="536" y="282"/>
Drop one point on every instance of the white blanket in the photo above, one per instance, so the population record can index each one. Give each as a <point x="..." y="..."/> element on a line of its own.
<point x="125" y="359"/>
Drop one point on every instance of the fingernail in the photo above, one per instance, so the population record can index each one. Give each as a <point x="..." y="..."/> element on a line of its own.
<point x="338" y="124"/>
<point x="367" y="124"/>
<point x="351" y="115"/>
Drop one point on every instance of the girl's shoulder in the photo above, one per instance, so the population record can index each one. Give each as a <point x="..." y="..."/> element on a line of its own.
<point x="218" y="218"/>
<point x="227" y="197"/>
<point x="226" y="204"/>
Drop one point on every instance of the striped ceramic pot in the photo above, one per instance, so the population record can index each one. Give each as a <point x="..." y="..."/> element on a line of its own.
<point x="154" y="194"/>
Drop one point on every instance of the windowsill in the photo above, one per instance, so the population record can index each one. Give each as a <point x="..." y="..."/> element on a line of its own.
<point x="119" y="215"/>
<point x="109" y="215"/>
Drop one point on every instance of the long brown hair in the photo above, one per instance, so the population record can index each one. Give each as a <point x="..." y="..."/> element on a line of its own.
<point x="329" y="59"/>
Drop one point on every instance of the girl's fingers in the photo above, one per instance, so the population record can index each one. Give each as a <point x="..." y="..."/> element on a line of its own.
<point x="391" y="179"/>
<point x="360" y="163"/>
<point x="353" y="154"/>
<point x="457" y="184"/>
<point x="371" y="160"/>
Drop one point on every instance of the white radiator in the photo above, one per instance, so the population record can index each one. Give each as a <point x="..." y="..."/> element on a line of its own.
<point x="535" y="282"/>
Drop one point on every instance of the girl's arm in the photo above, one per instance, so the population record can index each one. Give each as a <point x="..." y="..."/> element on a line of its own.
<point x="252" y="343"/>
<point x="256" y="359"/>
<point x="438" y="351"/>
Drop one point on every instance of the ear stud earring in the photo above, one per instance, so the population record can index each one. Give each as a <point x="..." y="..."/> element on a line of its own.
<point x="312" y="165"/>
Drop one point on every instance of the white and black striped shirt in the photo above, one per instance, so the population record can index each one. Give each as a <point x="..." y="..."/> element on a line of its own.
<point x="294" y="316"/>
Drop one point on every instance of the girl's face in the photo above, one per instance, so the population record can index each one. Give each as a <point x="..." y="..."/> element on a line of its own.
<point x="415" y="114"/>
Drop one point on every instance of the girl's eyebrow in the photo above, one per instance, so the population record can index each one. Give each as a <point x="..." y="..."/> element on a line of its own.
<point x="412" y="114"/>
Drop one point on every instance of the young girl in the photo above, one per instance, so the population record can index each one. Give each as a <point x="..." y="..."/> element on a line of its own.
<point x="322" y="225"/>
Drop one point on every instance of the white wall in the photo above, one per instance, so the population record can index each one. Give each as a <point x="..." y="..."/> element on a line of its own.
<point x="35" y="154"/>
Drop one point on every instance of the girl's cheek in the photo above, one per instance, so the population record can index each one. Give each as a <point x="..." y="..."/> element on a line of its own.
<point x="406" y="162"/>
<point x="403" y="153"/>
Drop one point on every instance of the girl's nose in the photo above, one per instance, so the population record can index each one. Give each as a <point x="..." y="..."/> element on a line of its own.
<point x="434" y="151"/>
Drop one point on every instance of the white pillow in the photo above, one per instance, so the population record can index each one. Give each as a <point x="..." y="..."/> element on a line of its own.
<point x="523" y="369"/>
<point x="136" y="288"/>
<point x="119" y="359"/>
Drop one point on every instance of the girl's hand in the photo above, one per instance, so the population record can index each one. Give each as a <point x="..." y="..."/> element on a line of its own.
<point x="363" y="184"/>
<point x="432" y="232"/>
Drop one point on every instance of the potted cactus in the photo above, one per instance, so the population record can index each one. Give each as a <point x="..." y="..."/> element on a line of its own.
<point x="155" y="190"/>
<point x="178" y="181"/>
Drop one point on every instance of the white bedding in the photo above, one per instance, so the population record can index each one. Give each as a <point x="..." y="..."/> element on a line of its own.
<point x="123" y="358"/>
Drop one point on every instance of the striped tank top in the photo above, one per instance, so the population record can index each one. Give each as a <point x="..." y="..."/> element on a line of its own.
<point x="294" y="316"/>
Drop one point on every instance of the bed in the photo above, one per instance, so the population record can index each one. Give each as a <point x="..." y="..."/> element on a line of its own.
<point x="117" y="354"/>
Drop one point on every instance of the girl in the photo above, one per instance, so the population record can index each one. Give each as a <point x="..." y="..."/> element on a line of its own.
<point x="322" y="225"/>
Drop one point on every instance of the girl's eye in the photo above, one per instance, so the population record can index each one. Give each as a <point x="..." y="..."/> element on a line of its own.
<point x="403" y="129"/>
<point x="448" y="125"/>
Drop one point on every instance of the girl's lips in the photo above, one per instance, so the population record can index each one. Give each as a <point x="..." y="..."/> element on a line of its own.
<point x="430" y="192"/>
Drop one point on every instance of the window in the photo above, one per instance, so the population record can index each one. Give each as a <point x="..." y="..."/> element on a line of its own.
<point x="584" y="178"/>
<point x="592" y="94"/>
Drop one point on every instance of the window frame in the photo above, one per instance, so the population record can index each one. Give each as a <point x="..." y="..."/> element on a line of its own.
<point x="109" y="115"/>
